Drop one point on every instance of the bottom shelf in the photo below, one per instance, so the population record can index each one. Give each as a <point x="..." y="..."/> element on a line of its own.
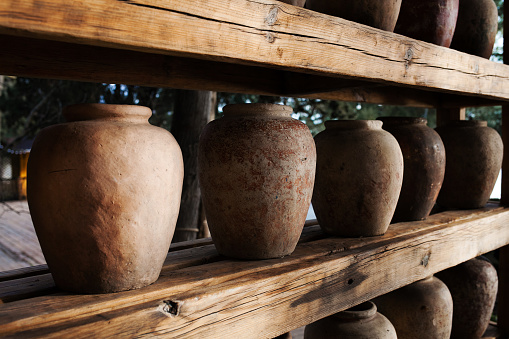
<point x="201" y="294"/>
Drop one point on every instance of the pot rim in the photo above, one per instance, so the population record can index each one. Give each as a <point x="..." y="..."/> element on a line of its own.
<point x="365" y="310"/>
<point x="392" y="120"/>
<point x="353" y="124"/>
<point x="96" y="111"/>
<point x="467" y="123"/>
<point x="258" y="109"/>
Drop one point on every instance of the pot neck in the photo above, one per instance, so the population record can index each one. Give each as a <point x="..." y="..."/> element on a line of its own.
<point x="257" y="110"/>
<point x="106" y="112"/>
<point x="353" y="124"/>
<point x="365" y="310"/>
<point x="397" y="121"/>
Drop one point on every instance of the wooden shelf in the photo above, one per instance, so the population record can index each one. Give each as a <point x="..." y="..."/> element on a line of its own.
<point x="259" y="47"/>
<point x="201" y="294"/>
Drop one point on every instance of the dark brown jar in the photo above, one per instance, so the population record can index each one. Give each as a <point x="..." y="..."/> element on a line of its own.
<point x="474" y="158"/>
<point x="424" y="166"/>
<point x="431" y="21"/>
<point x="359" y="173"/>
<point x="473" y="285"/>
<point x="256" y="167"/>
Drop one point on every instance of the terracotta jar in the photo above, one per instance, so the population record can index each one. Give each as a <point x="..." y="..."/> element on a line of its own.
<point x="381" y="14"/>
<point x="361" y="321"/>
<point x="424" y="166"/>
<point x="432" y="21"/>
<point x="476" y="28"/>
<point x="256" y="171"/>
<point x="104" y="193"/>
<point x="359" y="173"/>
<point x="422" y="310"/>
<point x="474" y="158"/>
<point x="473" y="285"/>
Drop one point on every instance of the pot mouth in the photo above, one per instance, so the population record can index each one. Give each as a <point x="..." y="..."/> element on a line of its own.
<point x="353" y="124"/>
<point x="467" y="123"/>
<point x="393" y="121"/>
<point x="257" y="110"/>
<point x="362" y="311"/>
<point x="85" y="112"/>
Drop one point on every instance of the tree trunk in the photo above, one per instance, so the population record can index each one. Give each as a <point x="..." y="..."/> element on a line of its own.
<point x="192" y="112"/>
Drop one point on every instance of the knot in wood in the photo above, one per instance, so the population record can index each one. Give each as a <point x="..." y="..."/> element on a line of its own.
<point x="270" y="37"/>
<point x="172" y="308"/>
<point x="272" y="16"/>
<point x="409" y="54"/>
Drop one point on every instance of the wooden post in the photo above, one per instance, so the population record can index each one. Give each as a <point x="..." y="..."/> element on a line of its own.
<point x="503" y="268"/>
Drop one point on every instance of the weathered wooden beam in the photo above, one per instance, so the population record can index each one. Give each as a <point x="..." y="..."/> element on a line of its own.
<point x="263" y="33"/>
<point x="262" y="299"/>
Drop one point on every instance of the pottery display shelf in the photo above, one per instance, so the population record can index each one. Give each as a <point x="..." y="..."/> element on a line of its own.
<point x="258" y="47"/>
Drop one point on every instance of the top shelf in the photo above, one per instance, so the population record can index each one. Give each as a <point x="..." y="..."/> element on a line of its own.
<point x="248" y="46"/>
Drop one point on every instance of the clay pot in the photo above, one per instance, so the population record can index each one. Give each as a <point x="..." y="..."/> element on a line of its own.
<point x="104" y="193"/>
<point x="422" y="310"/>
<point x="474" y="157"/>
<point x="359" y="173"/>
<point x="424" y="164"/>
<point x="476" y="28"/>
<point x="256" y="171"/>
<point x="381" y="14"/>
<point x="473" y="287"/>
<point x="431" y="21"/>
<point x="299" y="3"/>
<point x="361" y="321"/>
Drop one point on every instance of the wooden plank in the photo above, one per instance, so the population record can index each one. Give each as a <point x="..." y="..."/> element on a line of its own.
<point x="274" y="35"/>
<point x="262" y="299"/>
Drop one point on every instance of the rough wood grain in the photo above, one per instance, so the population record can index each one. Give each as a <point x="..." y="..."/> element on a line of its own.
<point x="256" y="32"/>
<point x="262" y="299"/>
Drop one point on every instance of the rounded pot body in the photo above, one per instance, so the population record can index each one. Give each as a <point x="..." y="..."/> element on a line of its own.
<point x="473" y="285"/>
<point x="381" y="14"/>
<point x="432" y="21"/>
<point x="359" y="322"/>
<point x="256" y="171"/>
<point x="476" y="28"/>
<point x="422" y="310"/>
<point x="359" y="173"/>
<point x="474" y="158"/>
<point x="424" y="166"/>
<point x="104" y="194"/>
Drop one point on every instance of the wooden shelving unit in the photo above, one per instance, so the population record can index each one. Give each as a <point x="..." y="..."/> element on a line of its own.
<point x="260" y="47"/>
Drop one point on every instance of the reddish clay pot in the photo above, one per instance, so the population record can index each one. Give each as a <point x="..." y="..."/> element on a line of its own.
<point x="359" y="173"/>
<point x="381" y="14"/>
<point x="474" y="158"/>
<point x="299" y="3"/>
<point x="431" y="21"/>
<point x="104" y="194"/>
<point x="361" y="321"/>
<point x="424" y="166"/>
<point x="256" y="170"/>
<point x="476" y="28"/>
<point x="422" y="310"/>
<point x="473" y="287"/>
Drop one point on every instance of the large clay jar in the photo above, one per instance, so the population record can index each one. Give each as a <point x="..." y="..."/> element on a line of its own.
<point x="424" y="164"/>
<point x="476" y="28"/>
<point x="474" y="158"/>
<point x="381" y="14"/>
<point x="431" y="21"/>
<point x="359" y="173"/>
<point x="104" y="193"/>
<point x="422" y="310"/>
<point x="361" y="321"/>
<point x="473" y="287"/>
<point x="256" y="171"/>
